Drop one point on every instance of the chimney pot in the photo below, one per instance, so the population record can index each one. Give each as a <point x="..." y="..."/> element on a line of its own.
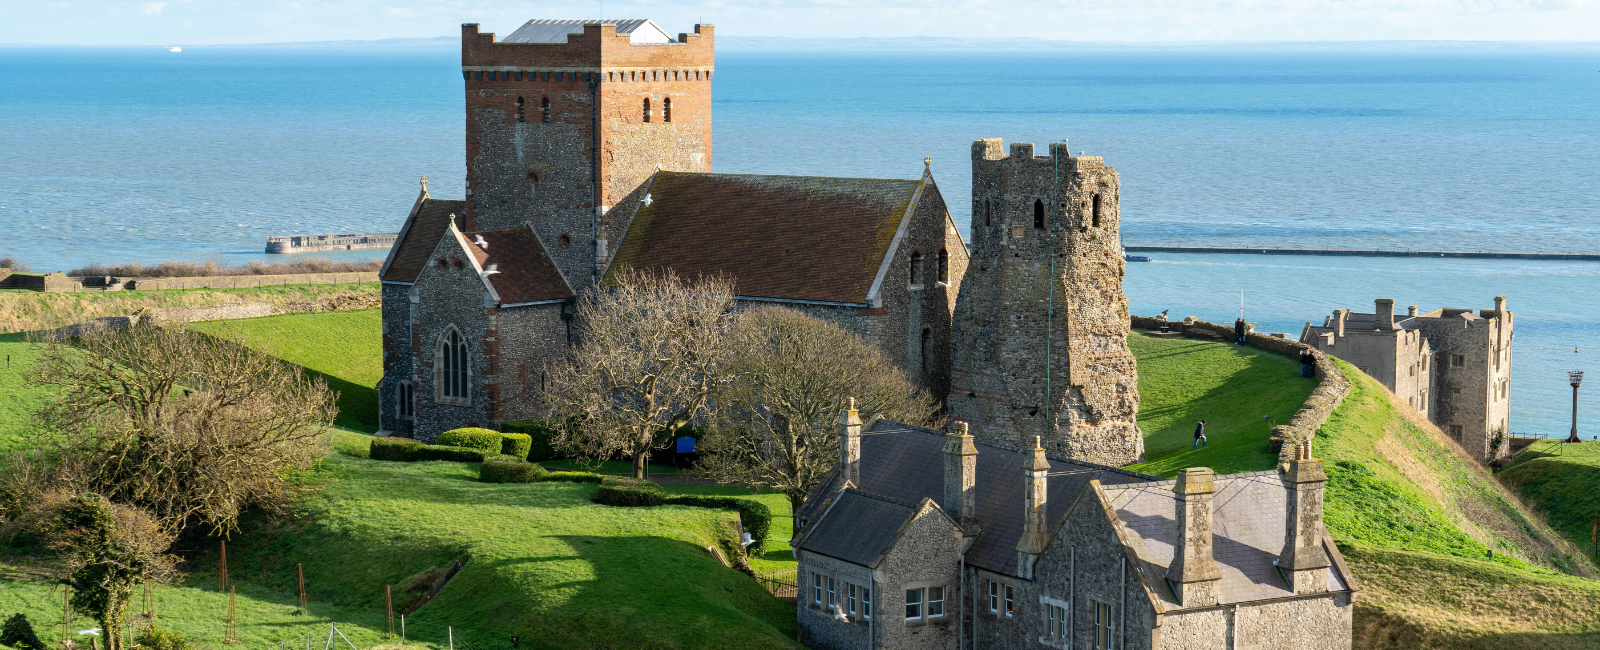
<point x="960" y="478"/>
<point x="1304" y="562"/>
<point x="1500" y="304"/>
<point x="1411" y="310"/>
<point x="1339" y="318"/>
<point x="1384" y="315"/>
<point x="850" y="445"/>
<point x="1194" y="572"/>
<point x="1034" y="532"/>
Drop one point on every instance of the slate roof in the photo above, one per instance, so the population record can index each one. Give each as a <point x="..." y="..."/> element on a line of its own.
<point x="640" y="30"/>
<point x="1250" y="511"/>
<point x="841" y="535"/>
<point x="905" y="464"/>
<point x="526" y="273"/>
<point x="784" y="237"/>
<point x="419" y="236"/>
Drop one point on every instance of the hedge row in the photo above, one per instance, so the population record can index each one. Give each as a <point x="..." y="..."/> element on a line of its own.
<point x="513" y="471"/>
<point x="539" y="434"/>
<point x="485" y="440"/>
<point x="409" y="450"/>
<point x="755" y="516"/>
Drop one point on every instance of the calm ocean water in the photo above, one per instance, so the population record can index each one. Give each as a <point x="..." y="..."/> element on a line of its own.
<point x="145" y="155"/>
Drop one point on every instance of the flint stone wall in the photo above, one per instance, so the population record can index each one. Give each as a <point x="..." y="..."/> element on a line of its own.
<point x="1332" y="385"/>
<point x="248" y="281"/>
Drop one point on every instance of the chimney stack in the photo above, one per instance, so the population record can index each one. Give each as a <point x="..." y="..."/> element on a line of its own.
<point x="1339" y="317"/>
<point x="1034" y="532"/>
<point x="850" y="445"/>
<point x="1303" y="562"/>
<point x="1500" y="304"/>
<point x="1411" y="310"/>
<point x="1384" y="319"/>
<point x="1194" y="573"/>
<point x="960" y="479"/>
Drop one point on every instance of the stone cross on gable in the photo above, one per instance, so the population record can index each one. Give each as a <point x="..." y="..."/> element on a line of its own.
<point x="424" y="183"/>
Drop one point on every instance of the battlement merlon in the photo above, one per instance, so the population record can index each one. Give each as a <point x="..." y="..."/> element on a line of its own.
<point x="599" y="47"/>
<point x="990" y="151"/>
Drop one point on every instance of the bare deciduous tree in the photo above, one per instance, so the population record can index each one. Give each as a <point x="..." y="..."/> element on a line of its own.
<point x="792" y="375"/>
<point x="650" y="353"/>
<point x="189" y="427"/>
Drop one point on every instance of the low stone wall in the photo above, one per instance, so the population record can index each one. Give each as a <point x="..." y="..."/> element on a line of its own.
<point x="248" y="281"/>
<point x="1332" y="385"/>
<point x="221" y="311"/>
<point x="51" y="282"/>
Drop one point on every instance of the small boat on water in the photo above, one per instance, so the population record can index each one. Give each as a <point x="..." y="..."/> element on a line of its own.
<point x="1133" y="258"/>
<point x="174" y="49"/>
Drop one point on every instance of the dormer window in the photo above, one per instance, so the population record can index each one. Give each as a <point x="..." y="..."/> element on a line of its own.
<point x="1038" y="213"/>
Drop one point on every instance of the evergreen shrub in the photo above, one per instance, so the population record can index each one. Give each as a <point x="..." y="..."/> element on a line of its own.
<point x="446" y="452"/>
<point x="539" y="434"/>
<point x="18" y="633"/>
<point x="629" y="493"/>
<point x="516" y="444"/>
<point x="485" y="440"/>
<point x="573" y="477"/>
<point x="392" y="448"/>
<point x="507" y="472"/>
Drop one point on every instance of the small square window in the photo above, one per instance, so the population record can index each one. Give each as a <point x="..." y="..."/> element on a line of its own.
<point x="1458" y="361"/>
<point x="913" y="604"/>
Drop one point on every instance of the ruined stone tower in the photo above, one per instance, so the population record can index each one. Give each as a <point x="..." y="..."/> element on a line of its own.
<point x="1039" y="341"/>
<point x="567" y="118"/>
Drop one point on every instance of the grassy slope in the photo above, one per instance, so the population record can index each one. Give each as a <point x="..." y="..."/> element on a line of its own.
<point x="18" y="401"/>
<point x="30" y="310"/>
<point x="1563" y="482"/>
<point x="1182" y="381"/>
<point x="345" y="348"/>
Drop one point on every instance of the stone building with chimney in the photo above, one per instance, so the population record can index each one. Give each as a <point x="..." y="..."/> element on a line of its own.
<point x="921" y="539"/>
<point x="589" y="151"/>
<point x="1451" y="365"/>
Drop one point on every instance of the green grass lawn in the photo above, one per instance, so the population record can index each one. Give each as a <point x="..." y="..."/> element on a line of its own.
<point x="345" y="348"/>
<point x="1563" y="482"/>
<point x="605" y="467"/>
<point x="18" y="401"/>
<point x="1231" y="387"/>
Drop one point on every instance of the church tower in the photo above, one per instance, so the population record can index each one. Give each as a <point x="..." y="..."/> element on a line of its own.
<point x="567" y="119"/>
<point x="1039" y="339"/>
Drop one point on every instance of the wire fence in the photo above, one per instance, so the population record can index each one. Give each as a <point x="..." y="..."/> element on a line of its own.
<point x="406" y="633"/>
<point x="781" y="583"/>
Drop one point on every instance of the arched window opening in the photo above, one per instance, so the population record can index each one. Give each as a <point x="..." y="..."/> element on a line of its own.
<point x="546" y="106"/>
<point x="944" y="265"/>
<point x="647" y="110"/>
<point x="405" y="402"/>
<point x="916" y="267"/>
<point x="1094" y="211"/>
<point x="988" y="218"/>
<point x="666" y="110"/>
<point x="1038" y="213"/>
<point x="927" y="350"/>
<point x="520" y="117"/>
<point x="452" y="369"/>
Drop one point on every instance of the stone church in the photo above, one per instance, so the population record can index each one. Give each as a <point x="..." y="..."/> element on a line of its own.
<point x="589" y="150"/>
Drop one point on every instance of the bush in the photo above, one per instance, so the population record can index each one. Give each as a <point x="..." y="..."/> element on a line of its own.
<point x="392" y="448"/>
<point x="573" y="477"/>
<point x="504" y="472"/>
<point x="18" y="633"/>
<point x="754" y="516"/>
<point x="539" y="435"/>
<point x="629" y="495"/>
<point x="516" y="444"/>
<point x="154" y="639"/>
<point x="485" y="440"/>
<point x="501" y="458"/>
<point x="445" y="452"/>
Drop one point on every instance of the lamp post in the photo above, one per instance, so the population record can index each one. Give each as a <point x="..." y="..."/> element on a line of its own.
<point x="1576" y="377"/>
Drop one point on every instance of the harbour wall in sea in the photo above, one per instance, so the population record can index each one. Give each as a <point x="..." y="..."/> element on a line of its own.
<point x="323" y="243"/>
<point x="1351" y="252"/>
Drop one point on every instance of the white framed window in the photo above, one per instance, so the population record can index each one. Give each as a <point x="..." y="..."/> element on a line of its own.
<point x="452" y="369"/>
<point x="914" y="604"/>
<point x="866" y="602"/>
<point x="994" y="597"/>
<point x="1102" y="625"/>
<point x="831" y="599"/>
<point x="1055" y="616"/>
<point x="405" y="400"/>
<point x="816" y="589"/>
<point x="850" y="598"/>
<point x="935" y="602"/>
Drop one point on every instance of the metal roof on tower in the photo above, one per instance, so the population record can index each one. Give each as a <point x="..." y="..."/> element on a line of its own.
<point x="639" y="30"/>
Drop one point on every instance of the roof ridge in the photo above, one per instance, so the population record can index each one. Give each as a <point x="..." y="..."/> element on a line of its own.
<point x="879" y="497"/>
<point x="843" y="178"/>
<point x="1081" y="463"/>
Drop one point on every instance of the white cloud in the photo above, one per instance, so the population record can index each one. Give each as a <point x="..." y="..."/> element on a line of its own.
<point x="153" y="8"/>
<point x="398" y="12"/>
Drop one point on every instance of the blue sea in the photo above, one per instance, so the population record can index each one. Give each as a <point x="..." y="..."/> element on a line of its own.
<point x="139" y="154"/>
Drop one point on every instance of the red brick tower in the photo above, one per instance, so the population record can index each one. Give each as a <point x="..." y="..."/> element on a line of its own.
<point x="561" y="130"/>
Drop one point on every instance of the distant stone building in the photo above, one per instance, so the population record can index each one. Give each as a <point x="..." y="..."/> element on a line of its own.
<point x="1012" y="550"/>
<point x="1451" y="365"/>
<point x="589" y="151"/>
<point x="1041" y="324"/>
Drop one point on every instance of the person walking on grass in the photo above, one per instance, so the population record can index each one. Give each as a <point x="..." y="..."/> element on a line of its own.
<point x="1199" y="436"/>
<point x="1238" y="331"/>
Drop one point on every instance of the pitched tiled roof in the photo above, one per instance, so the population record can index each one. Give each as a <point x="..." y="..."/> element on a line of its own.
<point x="906" y="464"/>
<point x="1249" y="512"/>
<point x="420" y="236"/>
<point x="787" y="237"/>
<point x="842" y="535"/>
<point x="526" y="273"/>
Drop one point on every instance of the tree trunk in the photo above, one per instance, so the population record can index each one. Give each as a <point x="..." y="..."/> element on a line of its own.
<point x="639" y="460"/>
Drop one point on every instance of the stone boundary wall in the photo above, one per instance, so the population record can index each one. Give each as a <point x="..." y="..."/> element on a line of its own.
<point x="1332" y="385"/>
<point x="52" y="282"/>
<point x="220" y="311"/>
<point x="248" y="281"/>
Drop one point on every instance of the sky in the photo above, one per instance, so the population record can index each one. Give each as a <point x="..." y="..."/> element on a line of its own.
<point x="203" y="22"/>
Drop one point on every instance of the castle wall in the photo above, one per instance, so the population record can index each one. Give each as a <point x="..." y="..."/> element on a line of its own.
<point x="1393" y="357"/>
<point x="1476" y="395"/>
<point x="1039" y="288"/>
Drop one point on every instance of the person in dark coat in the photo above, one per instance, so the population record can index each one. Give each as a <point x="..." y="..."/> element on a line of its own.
<point x="1308" y="364"/>
<point x="1238" y="331"/>
<point x="1199" y="435"/>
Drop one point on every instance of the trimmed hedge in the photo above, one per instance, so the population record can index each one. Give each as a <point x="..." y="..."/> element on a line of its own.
<point x="754" y="516"/>
<point x="445" y="452"/>
<point x="494" y="471"/>
<point x="573" y="477"/>
<point x="392" y="448"/>
<point x="484" y="440"/>
<point x="516" y="444"/>
<point x="539" y="434"/>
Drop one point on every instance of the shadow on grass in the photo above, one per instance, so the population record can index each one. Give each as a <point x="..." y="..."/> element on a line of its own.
<point x="358" y="405"/>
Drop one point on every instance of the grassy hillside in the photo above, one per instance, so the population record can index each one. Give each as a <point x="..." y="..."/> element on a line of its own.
<point x="22" y="311"/>
<point x="345" y="348"/>
<point x="1231" y="387"/>
<point x="1563" y="482"/>
<point x="18" y="401"/>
